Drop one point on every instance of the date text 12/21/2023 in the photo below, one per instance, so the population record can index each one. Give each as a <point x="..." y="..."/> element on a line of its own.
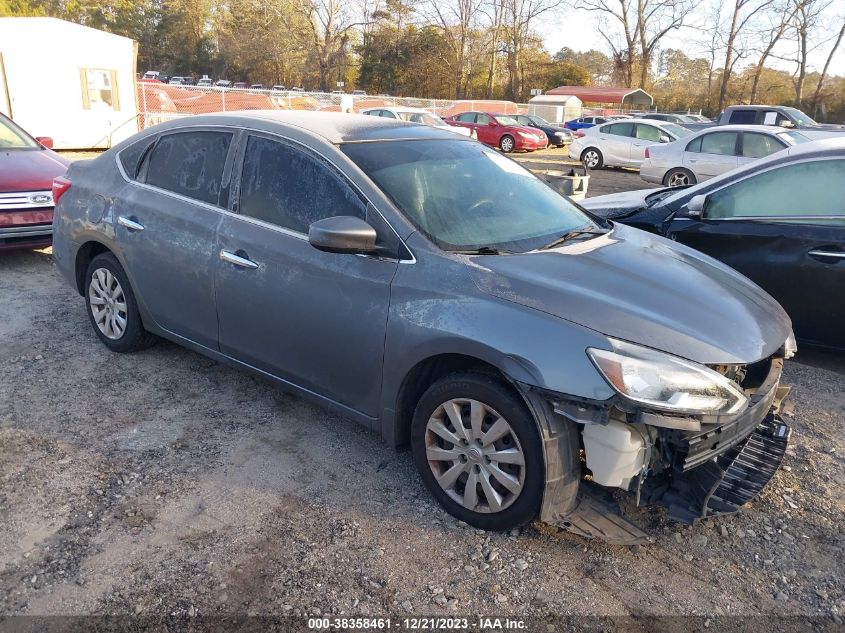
<point x="417" y="624"/>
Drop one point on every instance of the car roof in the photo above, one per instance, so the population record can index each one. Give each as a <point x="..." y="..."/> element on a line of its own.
<point x="747" y="127"/>
<point x="334" y="127"/>
<point x="399" y="109"/>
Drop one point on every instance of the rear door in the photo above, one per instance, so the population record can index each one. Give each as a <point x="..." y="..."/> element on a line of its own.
<point x="166" y="226"/>
<point x="488" y="134"/>
<point x="712" y="154"/>
<point x="785" y="229"/>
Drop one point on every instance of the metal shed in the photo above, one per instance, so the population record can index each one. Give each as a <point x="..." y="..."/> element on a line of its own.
<point x="82" y="94"/>
<point x="555" y="108"/>
<point x="622" y="97"/>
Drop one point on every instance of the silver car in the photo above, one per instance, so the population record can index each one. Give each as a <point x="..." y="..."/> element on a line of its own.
<point x="423" y="284"/>
<point x="714" y="151"/>
<point x="622" y="143"/>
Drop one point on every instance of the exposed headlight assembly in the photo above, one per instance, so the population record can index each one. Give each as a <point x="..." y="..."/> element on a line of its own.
<point x="664" y="382"/>
<point x="790" y="347"/>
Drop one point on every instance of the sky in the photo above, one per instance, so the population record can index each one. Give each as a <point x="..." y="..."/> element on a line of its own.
<point x="578" y="29"/>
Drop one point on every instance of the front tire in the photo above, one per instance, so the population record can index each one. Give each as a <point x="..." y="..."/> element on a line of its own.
<point x="506" y="144"/>
<point x="679" y="177"/>
<point x="592" y="158"/>
<point x="478" y="451"/>
<point x="112" y="308"/>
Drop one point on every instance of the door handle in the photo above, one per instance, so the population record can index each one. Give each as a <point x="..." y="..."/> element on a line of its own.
<point x="818" y="253"/>
<point x="238" y="260"/>
<point x="129" y="223"/>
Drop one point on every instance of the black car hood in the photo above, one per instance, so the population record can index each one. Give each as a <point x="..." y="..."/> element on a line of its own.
<point x="618" y="204"/>
<point x="645" y="289"/>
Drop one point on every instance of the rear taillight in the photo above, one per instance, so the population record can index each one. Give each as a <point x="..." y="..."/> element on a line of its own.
<point x="578" y="134"/>
<point x="60" y="185"/>
<point x="647" y="154"/>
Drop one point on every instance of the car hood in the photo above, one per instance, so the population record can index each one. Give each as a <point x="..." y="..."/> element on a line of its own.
<point x="615" y="205"/>
<point x="644" y="289"/>
<point x="533" y="131"/>
<point x="29" y="169"/>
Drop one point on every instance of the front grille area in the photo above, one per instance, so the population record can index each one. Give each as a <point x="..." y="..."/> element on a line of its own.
<point x="26" y="200"/>
<point x="699" y="447"/>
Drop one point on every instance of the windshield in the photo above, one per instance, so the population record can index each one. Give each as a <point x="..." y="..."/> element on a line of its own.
<point x="506" y="120"/>
<point x="800" y="117"/>
<point x="464" y="196"/>
<point x="12" y="137"/>
<point x="536" y="120"/>
<point x="796" y="137"/>
<point x="420" y="117"/>
<point x="678" y="131"/>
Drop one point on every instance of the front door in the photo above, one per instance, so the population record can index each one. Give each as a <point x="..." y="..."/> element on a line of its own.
<point x="615" y="143"/>
<point x="712" y="154"/>
<point x="166" y="225"/>
<point x="784" y="228"/>
<point x="312" y="318"/>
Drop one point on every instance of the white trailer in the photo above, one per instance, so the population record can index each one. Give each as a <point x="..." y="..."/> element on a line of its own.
<point x="555" y="108"/>
<point x="69" y="82"/>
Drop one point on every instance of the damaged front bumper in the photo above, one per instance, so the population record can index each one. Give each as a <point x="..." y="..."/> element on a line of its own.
<point x="695" y="468"/>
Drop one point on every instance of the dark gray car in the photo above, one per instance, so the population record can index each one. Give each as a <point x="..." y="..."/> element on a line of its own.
<point x="532" y="355"/>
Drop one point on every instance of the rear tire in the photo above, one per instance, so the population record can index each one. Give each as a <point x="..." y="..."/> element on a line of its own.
<point x="112" y="309"/>
<point x="506" y="143"/>
<point x="592" y="158"/>
<point x="679" y="177"/>
<point x="497" y="451"/>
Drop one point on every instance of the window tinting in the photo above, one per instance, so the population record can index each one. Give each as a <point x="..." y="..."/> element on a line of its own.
<point x="694" y="145"/>
<point x="809" y="188"/>
<point x="387" y="114"/>
<point x="722" y="143"/>
<point x="467" y="117"/>
<point x="619" y="129"/>
<point x="287" y="187"/>
<point x="130" y="158"/>
<point x="190" y="164"/>
<point x="483" y="119"/>
<point x="755" y="145"/>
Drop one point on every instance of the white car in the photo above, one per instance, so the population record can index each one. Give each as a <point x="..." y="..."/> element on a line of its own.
<point x="418" y="115"/>
<point x="622" y="143"/>
<point x="714" y="151"/>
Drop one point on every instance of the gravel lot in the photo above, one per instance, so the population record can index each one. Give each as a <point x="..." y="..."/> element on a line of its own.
<point x="164" y="483"/>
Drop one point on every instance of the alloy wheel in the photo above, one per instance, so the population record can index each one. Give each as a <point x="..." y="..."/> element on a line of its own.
<point x="591" y="159"/>
<point x="678" y="179"/>
<point x="108" y="303"/>
<point x="475" y="455"/>
<point x="507" y="144"/>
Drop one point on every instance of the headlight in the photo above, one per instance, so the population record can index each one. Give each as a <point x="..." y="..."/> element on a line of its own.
<point x="664" y="382"/>
<point x="560" y="134"/>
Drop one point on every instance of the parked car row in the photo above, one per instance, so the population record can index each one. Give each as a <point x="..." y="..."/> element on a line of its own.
<point x="533" y="355"/>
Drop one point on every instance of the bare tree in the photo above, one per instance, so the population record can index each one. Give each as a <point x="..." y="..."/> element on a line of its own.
<point x="456" y="20"/>
<point x="518" y="18"/>
<point x="643" y="23"/>
<point x="769" y="36"/>
<point x="823" y="74"/>
<point x="742" y="14"/>
<point x="331" y="24"/>
<point x="495" y="12"/>
<point x="805" y="22"/>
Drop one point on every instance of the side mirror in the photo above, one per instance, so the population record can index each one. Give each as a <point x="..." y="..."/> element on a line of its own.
<point x="342" y="234"/>
<point x="492" y="124"/>
<point x="696" y="206"/>
<point x="46" y="141"/>
<point x="665" y="139"/>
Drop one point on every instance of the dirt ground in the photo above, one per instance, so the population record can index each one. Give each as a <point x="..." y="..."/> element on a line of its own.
<point x="165" y="483"/>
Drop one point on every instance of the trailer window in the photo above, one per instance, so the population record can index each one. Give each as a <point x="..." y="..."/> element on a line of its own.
<point x="99" y="89"/>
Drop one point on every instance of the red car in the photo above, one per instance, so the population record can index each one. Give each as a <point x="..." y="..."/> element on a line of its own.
<point x="500" y="130"/>
<point x="27" y="169"/>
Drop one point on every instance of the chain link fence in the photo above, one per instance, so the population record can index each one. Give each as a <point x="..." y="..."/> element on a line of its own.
<point x="159" y="102"/>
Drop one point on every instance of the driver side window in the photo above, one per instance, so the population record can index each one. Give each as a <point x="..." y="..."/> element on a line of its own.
<point x="812" y="188"/>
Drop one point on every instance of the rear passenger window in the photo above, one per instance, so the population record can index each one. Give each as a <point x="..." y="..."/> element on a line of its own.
<point x="756" y="145"/>
<point x="290" y="188"/>
<point x="190" y="164"/>
<point x="130" y="157"/>
<point x="648" y="133"/>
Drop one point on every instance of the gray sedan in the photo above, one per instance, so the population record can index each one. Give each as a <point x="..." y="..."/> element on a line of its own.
<point x="443" y="296"/>
<point x="714" y="151"/>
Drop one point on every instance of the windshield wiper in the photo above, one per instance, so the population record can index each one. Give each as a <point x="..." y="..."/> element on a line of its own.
<point x="482" y="250"/>
<point x="571" y="235"/>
